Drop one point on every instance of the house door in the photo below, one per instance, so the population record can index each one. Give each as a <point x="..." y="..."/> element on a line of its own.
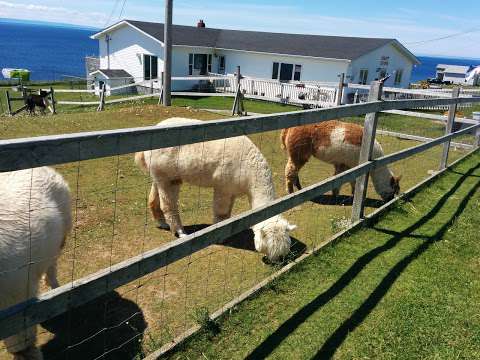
<point x="286" y="71"/>
<point x="150" y="67"/>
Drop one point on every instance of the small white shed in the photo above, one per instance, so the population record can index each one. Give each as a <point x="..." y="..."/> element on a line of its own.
<point x="112" y="79"/>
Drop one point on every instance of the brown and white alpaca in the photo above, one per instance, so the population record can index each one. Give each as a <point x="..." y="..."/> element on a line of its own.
<point x="232" y="167"/>
<point x="337" y="143"/>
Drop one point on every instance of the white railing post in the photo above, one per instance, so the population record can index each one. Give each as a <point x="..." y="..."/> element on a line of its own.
<point x="476" y="116"/>
<point x="341" y="84"/>
<point x="366" y="152"/>
<point x="449" y="128"/>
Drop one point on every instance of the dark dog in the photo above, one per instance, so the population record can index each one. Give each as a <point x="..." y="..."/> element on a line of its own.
<point x="34" y="100"/>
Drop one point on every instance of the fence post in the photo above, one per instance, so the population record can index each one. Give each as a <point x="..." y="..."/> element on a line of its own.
<point x="449" y="128"/>
<point x="366" y="152"/>
<point x="101" y="105"/>
<point x="9" y="105"/>
<point x="476" y="116"/>
<point x="340" y="89"/>
<point x="238" y="102"/>
<point x="151" y="86"/>
<point x="52" y="98"/>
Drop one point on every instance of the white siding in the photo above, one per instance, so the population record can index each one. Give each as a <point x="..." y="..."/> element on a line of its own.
<point x="127" y="46"/>
<point x="371" y="61"/>
<point x="261" y="65"/>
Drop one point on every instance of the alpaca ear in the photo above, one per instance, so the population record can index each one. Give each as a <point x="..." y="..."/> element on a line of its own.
<point x="291" y="227"/>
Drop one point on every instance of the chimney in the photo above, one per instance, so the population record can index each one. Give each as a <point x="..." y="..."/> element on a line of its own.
<point x="200" y="24"/>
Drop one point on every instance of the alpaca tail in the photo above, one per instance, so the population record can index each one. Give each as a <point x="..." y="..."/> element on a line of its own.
<point x="283" y="138"/>
<point x="140" y="161"/>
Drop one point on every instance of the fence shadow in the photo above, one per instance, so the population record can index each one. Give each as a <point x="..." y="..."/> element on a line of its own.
<point x="328" y="349"/>
<point x="110" y="327"/>
<point x="345" y="200"/>
<point x="244" y="240"/>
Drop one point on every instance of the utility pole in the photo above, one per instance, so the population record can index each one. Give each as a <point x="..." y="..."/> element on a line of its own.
<point x="167" y="78"/>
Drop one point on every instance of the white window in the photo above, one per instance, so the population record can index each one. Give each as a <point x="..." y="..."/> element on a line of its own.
<point x="199" y="64"/>
<point x="363" y="77"/>
<point x="398" y="77"/>
<point x="286" y="72"/>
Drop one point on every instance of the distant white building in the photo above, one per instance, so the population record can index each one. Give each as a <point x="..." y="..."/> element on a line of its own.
<point x="455" y="74"/>
<point x="136" y="47"/>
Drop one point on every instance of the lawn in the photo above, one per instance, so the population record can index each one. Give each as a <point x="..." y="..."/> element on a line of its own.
<point x="112" y="224"/>
<point x="403" y="287"/>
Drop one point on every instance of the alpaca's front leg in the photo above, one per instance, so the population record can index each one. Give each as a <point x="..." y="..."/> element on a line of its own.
<point x="222" y="205"/>
<point x="154" y="204"/>
<point x="168" y="193"/>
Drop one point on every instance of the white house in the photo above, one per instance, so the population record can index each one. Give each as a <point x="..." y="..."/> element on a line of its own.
<point x="111" y="79"/>
<point x="456" y="74"/>
<point x="137" y="48"/>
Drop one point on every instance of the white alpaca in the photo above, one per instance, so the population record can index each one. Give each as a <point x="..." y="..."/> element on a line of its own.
<point x="35" y="218"/>
<point x="233" y="167"/>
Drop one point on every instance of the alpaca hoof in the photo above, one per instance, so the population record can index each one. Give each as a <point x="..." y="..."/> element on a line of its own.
<point x="181" y="234"/>
<point x="30" y="353"/>
<point x="163" y="225"/>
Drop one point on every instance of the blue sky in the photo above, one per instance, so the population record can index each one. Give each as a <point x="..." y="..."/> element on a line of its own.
<point x="411" y="22"/>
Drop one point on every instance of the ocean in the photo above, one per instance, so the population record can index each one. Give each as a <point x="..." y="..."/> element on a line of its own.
<point x="51" y="52"/>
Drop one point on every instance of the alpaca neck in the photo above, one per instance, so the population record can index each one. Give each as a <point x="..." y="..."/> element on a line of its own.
<point x="261" y="189"/>
<point x="381" y="180"/>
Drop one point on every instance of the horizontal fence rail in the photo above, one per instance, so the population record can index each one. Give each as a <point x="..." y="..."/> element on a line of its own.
<point x="20" y="154"/>
<point x="57" y="301"/>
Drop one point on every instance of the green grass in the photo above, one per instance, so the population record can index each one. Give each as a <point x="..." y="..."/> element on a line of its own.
<point x="405" y="287"/>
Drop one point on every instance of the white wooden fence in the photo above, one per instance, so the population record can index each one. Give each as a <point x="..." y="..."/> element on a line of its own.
<point x="50" y="150"/>
<point x="391" y="93"/>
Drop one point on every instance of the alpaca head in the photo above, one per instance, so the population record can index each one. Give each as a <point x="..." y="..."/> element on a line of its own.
<point x="392" y="189"/>
<point x="272" y="237"/>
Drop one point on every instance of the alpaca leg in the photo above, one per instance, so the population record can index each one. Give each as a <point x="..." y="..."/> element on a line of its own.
<point x="222" y="205"/>
<point x="291" y="175"/>
<point x="338" y="170"/>
<point x="51" y="276"/>
<point x="168" y="193"/>
<point x="22" y="344"/>
<point x="154" y="204"/>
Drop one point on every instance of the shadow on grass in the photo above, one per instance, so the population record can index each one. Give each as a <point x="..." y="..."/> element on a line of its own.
<point x="334" y="341"/>
<point x="244" y="240"/>
<point x="109" y="327"/>
<point x="345" y="200"/>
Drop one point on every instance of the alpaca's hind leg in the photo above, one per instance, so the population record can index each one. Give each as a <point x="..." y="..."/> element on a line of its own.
<point x="22" y="344"/>
<point x="154" y="204"/>
<point x="222" y="205"/>
<point x="51" y="276"/>
<point x="168" y="193"/>
<point x="291" y="175"/>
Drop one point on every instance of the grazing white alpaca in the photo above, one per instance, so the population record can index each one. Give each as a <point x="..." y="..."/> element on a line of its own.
<point x="232" y="167"/>
<point x="35" y="218"/>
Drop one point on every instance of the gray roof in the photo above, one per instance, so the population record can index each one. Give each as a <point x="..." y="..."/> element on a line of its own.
<point x="115" y="73"/>
<point x="333" y="47"/>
